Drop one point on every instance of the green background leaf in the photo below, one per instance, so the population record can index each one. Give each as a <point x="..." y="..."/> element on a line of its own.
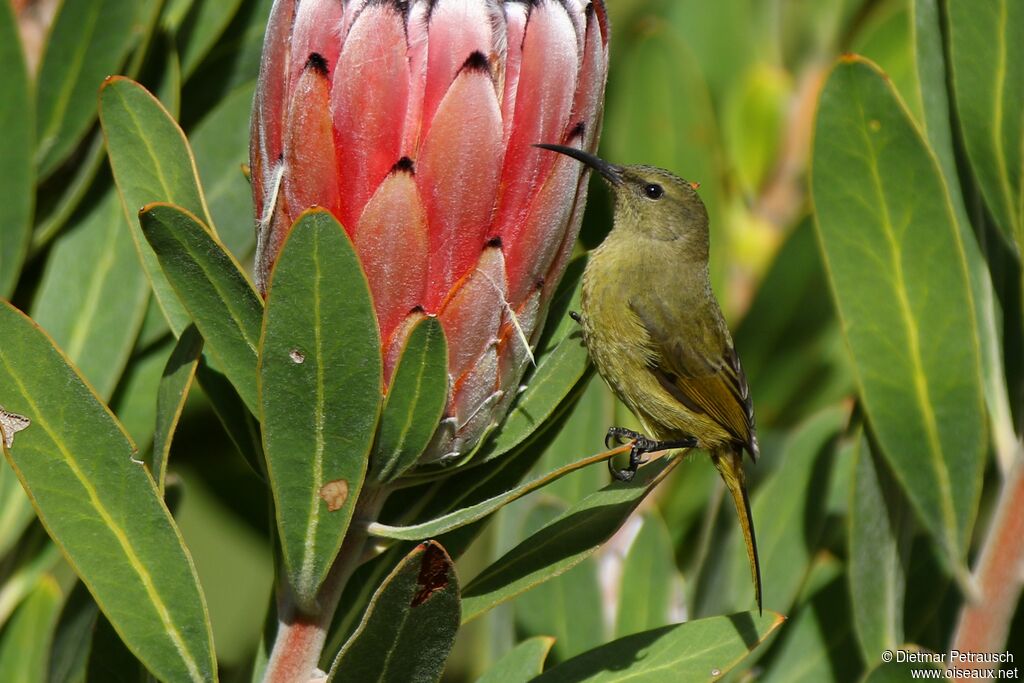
<point x="17" y="173"/>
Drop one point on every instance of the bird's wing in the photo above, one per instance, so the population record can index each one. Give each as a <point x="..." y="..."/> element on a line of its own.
<point x="703" y="373"/>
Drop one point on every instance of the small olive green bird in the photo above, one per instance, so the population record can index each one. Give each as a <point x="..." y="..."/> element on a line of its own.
<point x="656" y="334"/>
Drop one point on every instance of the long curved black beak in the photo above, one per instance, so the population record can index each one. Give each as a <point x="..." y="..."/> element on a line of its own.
<point x="611" y="172"/>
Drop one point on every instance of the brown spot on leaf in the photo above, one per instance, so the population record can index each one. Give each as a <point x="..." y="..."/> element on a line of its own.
<point x="334" y="493"/>
<point x="433" y="573"/>
<point x="297" y="356"/>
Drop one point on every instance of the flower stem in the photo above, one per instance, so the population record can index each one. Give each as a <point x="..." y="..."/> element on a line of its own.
<point x="999" y="574"/>
<point x="301" y="634"/>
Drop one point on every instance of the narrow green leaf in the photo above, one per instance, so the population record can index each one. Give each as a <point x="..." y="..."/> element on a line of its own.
<point x="15" y="509"/>
<point x="72" y="639"/>
<point x="93" y="295"/>
<point x="151" y="161"/>
<point x="89" y="40"/>
<point x="879" y="544"/>
<point x="221" y="147"/>
<point x="568" y="607"/>
<point x="817" y="645"/>
<point x="134" y="401"/>
<point x="931" y="79"/>
<point x="320" y="393"/>
<point x="473" y="513"/>
<point x="410" y="625"/>
<point x="896" y="672"/>
<point x="109" y="660"/>
<point x="175" y="382"/>
<point x="563" y="543"/>
<point x="415" y="402"/>
<point x="102" y="507"/>
<point x="25" y="644"/>
<point x="17" y="169"/>
<point x="899" y="275"/>
<point x="986" y="54"/>
<point x="555" y="378"/>
<point x="699" y="650"/>
<point x="650" y="582"/>
<point x="238" y="421"/>
<point x="521" y="664"/>
<point x="200" y="29"/>
<point x="213" y="288"/>
<point x="35" y="557"/>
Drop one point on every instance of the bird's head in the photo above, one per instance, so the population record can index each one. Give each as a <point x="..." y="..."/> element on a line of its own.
<point x="651" y="202"/>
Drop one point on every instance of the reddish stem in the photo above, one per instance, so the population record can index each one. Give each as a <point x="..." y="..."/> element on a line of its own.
<point x="999" y="575"/>
<point x="301" y="634"/>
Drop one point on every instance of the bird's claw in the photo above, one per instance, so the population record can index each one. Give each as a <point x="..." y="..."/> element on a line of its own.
<point x="641" y="446"/>
<point x="576" y="317"/>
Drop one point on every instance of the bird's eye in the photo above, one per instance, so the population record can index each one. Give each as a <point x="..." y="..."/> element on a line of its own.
<point x="653" y="191"/>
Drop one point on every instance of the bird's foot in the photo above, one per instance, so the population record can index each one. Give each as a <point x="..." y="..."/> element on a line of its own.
<point x="641" y="446"/>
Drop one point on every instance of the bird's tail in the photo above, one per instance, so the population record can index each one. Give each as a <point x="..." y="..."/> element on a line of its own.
<point x="729" y="463"/>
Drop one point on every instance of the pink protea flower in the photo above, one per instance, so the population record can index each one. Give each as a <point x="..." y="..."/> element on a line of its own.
<point x="413" y="123"/>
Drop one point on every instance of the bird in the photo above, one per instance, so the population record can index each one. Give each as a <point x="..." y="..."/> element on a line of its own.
<point x="656" y="334"/>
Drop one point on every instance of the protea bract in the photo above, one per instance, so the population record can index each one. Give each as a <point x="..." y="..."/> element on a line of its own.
<point x="413" y="123"/>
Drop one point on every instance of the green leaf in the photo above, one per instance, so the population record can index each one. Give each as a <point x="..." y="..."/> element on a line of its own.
<point x="886" y="40"/>
<point x="477" y="511"/>
<point x="213" y="288"/>
<point x="817" y="645"/>
<point x="200" y="29"/>
<point x="320" y="393"/>
<point x="650" y="582"/>
<point x="102" y="507"/>
<point x="151" y="161"/>
<point x="415" y="402"/>
<point x="175" y="382"/>
<point x="986" y="56"/>
<point x="931" y="79"/>
<point x="567" y="607"/>
<point x="239" y="423"/>
<point x="15" y="509"/>
<point x="93" y="294"/>
<point x="521" y="664"/>
<point x="695" y="651"/>
<point x="410" y="625"/>
<point x="221" y="146"/>
<point x="72" y="639"/>
<point x="134" y="401"/>
<point x="879" y="552"/>
<point x="35" y="557"/>
<point x="555" y="377"/>
<point x="899" y="275"/>
<point x="89" y="40"/>
<point x="563" y="543"/>
<point x="789" y="516"/>
<point x="895" y="672"/>
<point x="25" y="644"/>
<point x="16" y="163"/>
<point x="109" y="660"/>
